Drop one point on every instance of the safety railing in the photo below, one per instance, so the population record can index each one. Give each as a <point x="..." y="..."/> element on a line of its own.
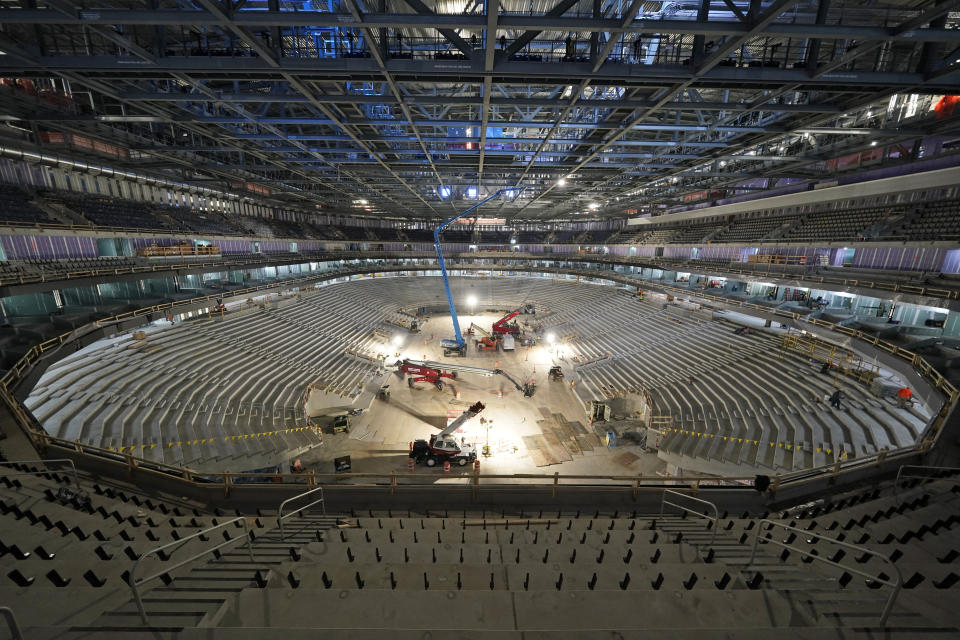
<point x="44" y="462"/>
<point x="921" y="472"/>
<point x="281" y="516"/>
<point x="715" y="519"/>
<point x="926" y="471"/>
<point x="895" y="585"/>
<point x="135" y="583"/>
<point x="228" y="262"/>
<point x="12" y="624"/>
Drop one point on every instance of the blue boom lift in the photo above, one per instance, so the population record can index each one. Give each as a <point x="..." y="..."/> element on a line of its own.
<point x="458" y="346"/>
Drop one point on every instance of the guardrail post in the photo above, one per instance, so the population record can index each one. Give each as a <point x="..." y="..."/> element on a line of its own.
<point x="881" y="457"/>
<point x="556" y="481"/>
<point x="131" y="463"/>
<point x="636" y="489"/>
<point x="393" y="482"/>
<point x="476" y="483"/>
<point x="227" y="483"/>
<point x="311" y="478"/>
<point x="775" y="484"/>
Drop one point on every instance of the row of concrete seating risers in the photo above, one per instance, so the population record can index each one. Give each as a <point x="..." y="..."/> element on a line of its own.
<point x="32" y="497"/>
<point x="624" y="344"/>
<point x="523" y="577"/>
<point x="74" y="556"/>
<point x="171" y="354"/>
<point x="536" y="537"/>
<point x="722" y="387"/>
<point x="652" y="351"/>
<point x="293" y="340"/>
<point x="879" y="438"/>
<point x="331" y="362"/>
<point x="292" y="388"/>
<point x="310" y="336"/>
<point x="344" y="324"/>
<point x="913" y="558"/>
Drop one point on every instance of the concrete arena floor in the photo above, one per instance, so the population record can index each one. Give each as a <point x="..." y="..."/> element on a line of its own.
<point x="379" y="440"/>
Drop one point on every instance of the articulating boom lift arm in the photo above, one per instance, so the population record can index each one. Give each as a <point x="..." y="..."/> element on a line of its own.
<point x="459" y="343"/>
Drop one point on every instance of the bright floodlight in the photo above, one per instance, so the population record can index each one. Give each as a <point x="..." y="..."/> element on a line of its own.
<point x="444" y="192"/>
<point x="562" y="182"/>
<point x="551" y="338"/>
<point x="398" y="340"/>
<point x="472" y="301"/>
<point x="594" y="205"/>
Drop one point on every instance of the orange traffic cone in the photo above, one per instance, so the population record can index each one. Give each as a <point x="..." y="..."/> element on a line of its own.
<point x="446" y="466"/>
<point x="410" y="465"/>
<point x="476" y="465"/>
<point x="499" y="393"/>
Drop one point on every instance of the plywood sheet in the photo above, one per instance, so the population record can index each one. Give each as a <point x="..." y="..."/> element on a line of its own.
<point x="588" y="442"/>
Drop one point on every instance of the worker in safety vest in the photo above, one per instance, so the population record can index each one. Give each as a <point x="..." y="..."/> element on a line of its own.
<point x="904" y="395"/>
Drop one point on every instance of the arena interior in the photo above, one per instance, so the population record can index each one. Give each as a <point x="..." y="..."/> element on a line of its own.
<point x="560" y="319"/>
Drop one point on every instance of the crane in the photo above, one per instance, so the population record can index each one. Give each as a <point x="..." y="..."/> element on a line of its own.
<point x="458" y="346"/>
<point x="502" y="325"/>
<point x="423" y="372"/>
<point x="433" y="372"/>
<point x="443" y="447"/>
<point x="487" y="341"/>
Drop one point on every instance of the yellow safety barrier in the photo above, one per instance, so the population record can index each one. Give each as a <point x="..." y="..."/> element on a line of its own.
<point x="789" y="446"/>
<point x="205" y="441"/>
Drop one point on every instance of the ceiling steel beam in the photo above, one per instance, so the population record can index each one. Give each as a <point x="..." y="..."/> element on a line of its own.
<point x="353" y="98"/>
<point x="462" y="45"/>
<point x="528" y="36"/>
<point x="863" y="49"/>
<point x="334" y="69"/>
<point x="489" y="58"/>
<point x="475" y="22"/>
<point x="378" y="56"/>
<point x="665" y="96"/>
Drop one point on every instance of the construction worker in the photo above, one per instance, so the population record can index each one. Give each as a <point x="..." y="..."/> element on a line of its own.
<point x="904" y="396"/>
<point x="835" y="398"/>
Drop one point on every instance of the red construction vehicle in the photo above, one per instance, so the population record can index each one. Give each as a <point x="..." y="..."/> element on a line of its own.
<point x="433" y="372"/>
<point x="503" y="325"/>
<point x="444" y="447"/>
<point x="487" y="342"/>
<point x="424" y="372"/>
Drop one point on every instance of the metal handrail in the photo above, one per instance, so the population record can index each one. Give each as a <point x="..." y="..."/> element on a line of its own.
<point x="896" y="586"/>
<point x="716" y="514"/>
<point x="7" y="613"/>
<point x="901" y="474"/>
<point x="281" y="516"/>
<point x="76" y="477"/>
<point x="135" y="583"/>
